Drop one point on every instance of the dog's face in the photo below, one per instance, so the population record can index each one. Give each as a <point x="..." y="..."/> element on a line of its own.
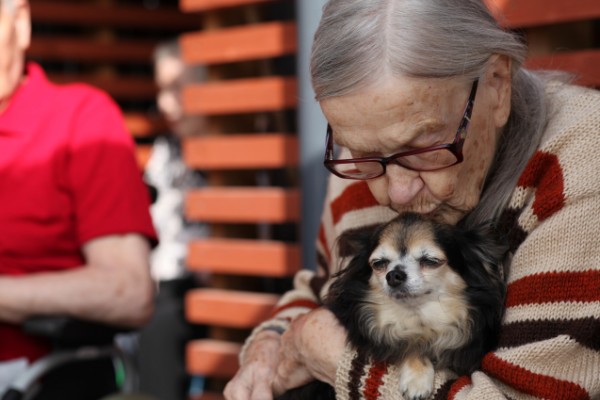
<point x="416" y="286"/>
<point x="409" y="264"/>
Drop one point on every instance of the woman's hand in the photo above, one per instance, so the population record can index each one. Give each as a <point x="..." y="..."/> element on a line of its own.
<point x="253" y="379"/>
<point x="310" y="349"/>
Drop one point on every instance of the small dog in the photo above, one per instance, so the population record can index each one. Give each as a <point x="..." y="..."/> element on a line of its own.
<point x="418" y="294"/>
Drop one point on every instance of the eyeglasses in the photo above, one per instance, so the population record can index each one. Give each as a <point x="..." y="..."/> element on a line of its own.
<point x="431" y="158"/>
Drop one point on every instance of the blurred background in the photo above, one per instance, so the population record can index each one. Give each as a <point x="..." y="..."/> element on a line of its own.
<point x="231" y="140"/>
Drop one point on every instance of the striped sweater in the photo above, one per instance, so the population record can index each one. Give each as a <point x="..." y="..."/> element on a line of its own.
<point x="550" y="340"/>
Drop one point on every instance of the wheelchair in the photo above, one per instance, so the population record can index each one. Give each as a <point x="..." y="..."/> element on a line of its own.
<point x="75" y="343"/>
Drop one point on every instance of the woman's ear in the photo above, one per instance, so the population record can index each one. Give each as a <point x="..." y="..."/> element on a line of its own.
<point x="498" y="79"/>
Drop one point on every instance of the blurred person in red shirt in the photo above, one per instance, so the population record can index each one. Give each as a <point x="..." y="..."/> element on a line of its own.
<point x="75" y="229"/>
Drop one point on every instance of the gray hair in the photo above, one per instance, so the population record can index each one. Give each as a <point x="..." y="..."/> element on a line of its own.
<point x="360" y="41"/>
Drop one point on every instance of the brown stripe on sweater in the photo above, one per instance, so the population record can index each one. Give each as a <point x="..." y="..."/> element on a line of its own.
<point x="554" y="287"/>
<point x="357" y="371"/>
<point x="444" y="391"/>
<point x="585" y="331"/>
<point x="509" y="226"/>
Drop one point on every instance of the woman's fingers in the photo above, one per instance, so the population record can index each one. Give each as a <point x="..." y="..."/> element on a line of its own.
<point x="253" y="379"/>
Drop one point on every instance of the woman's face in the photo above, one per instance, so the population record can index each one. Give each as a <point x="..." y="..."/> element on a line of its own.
<point x="401" y="114"/>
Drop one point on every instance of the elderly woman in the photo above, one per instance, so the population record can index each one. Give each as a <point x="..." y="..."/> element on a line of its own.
<point x="435" y="92"/>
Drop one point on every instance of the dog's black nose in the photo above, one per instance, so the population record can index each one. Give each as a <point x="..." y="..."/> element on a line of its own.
<point x="395" y="277"/>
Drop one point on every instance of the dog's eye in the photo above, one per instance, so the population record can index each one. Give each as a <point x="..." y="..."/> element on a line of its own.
<point x="379" y="264"/>
<point x="428" y="262"/>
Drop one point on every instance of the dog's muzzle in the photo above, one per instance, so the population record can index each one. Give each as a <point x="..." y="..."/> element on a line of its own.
<point x="395" y="278"/>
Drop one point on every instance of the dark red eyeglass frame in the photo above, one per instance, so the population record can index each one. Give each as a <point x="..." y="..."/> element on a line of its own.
<point x="455" y="147"/>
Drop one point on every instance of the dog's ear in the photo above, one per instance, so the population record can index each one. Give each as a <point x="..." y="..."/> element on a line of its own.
<point x="356" y="241"/>
<point x="485" y="244"/>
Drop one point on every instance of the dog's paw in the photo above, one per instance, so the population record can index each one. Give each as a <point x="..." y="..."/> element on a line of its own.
<point x="416" y="379"/>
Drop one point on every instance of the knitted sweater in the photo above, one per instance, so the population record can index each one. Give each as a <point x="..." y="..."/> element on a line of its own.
<point x="550" y="340"/>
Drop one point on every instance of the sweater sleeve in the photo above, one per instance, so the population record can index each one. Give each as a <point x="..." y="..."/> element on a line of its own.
<point x="549" y="344"/>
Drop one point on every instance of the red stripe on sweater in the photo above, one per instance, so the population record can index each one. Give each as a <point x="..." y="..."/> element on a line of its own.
<point x="531" y="383"/>
<point x="554" y="287"/>
<point x="459" y="385"/>
<point x="297" y="303"/>
<point x="544" y="173"/>
<point x="354" y="197"/>
<point x="374" y="380"/>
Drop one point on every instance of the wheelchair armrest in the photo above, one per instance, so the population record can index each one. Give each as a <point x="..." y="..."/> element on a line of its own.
<point x="67" y="332"/>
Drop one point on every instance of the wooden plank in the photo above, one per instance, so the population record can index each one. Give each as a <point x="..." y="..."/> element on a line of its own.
<point x="585" y="65"/>
<point x="241" y="96"/>
<point x="90" y="50"/>
<point x="143" y="125"/>
<point x="242" y="151"/>
<point x="529" y="13"/>
<point x="250" y="42"/>
<point x="120" y="87"/>
<point x="206" y="5"/>
<point x="243" y="205"/>
<point x="213" y="358"/>
<point x="83" y="13"/>
<point x="228" y="308"/>
<point x="244" y="257"/>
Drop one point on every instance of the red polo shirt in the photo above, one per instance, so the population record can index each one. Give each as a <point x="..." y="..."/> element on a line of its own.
<point x="68" y="174"/>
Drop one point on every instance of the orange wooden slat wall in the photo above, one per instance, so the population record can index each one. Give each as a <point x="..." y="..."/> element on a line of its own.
<point x="243" y="205"/>
<point x="244" y="257"/>
<point x="241" y="151"/>
<point x="241" y="96"/>
<point x="252" y="42"/>
<point x="529" y="13"/>
<point x="207" y="5"/>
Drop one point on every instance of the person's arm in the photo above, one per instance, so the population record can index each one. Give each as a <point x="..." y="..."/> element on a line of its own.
<point x="261" y="354"/>
<point x="113" y="287"/>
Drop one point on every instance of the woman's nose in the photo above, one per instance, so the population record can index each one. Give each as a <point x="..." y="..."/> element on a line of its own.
<point x="403" y="184"/>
